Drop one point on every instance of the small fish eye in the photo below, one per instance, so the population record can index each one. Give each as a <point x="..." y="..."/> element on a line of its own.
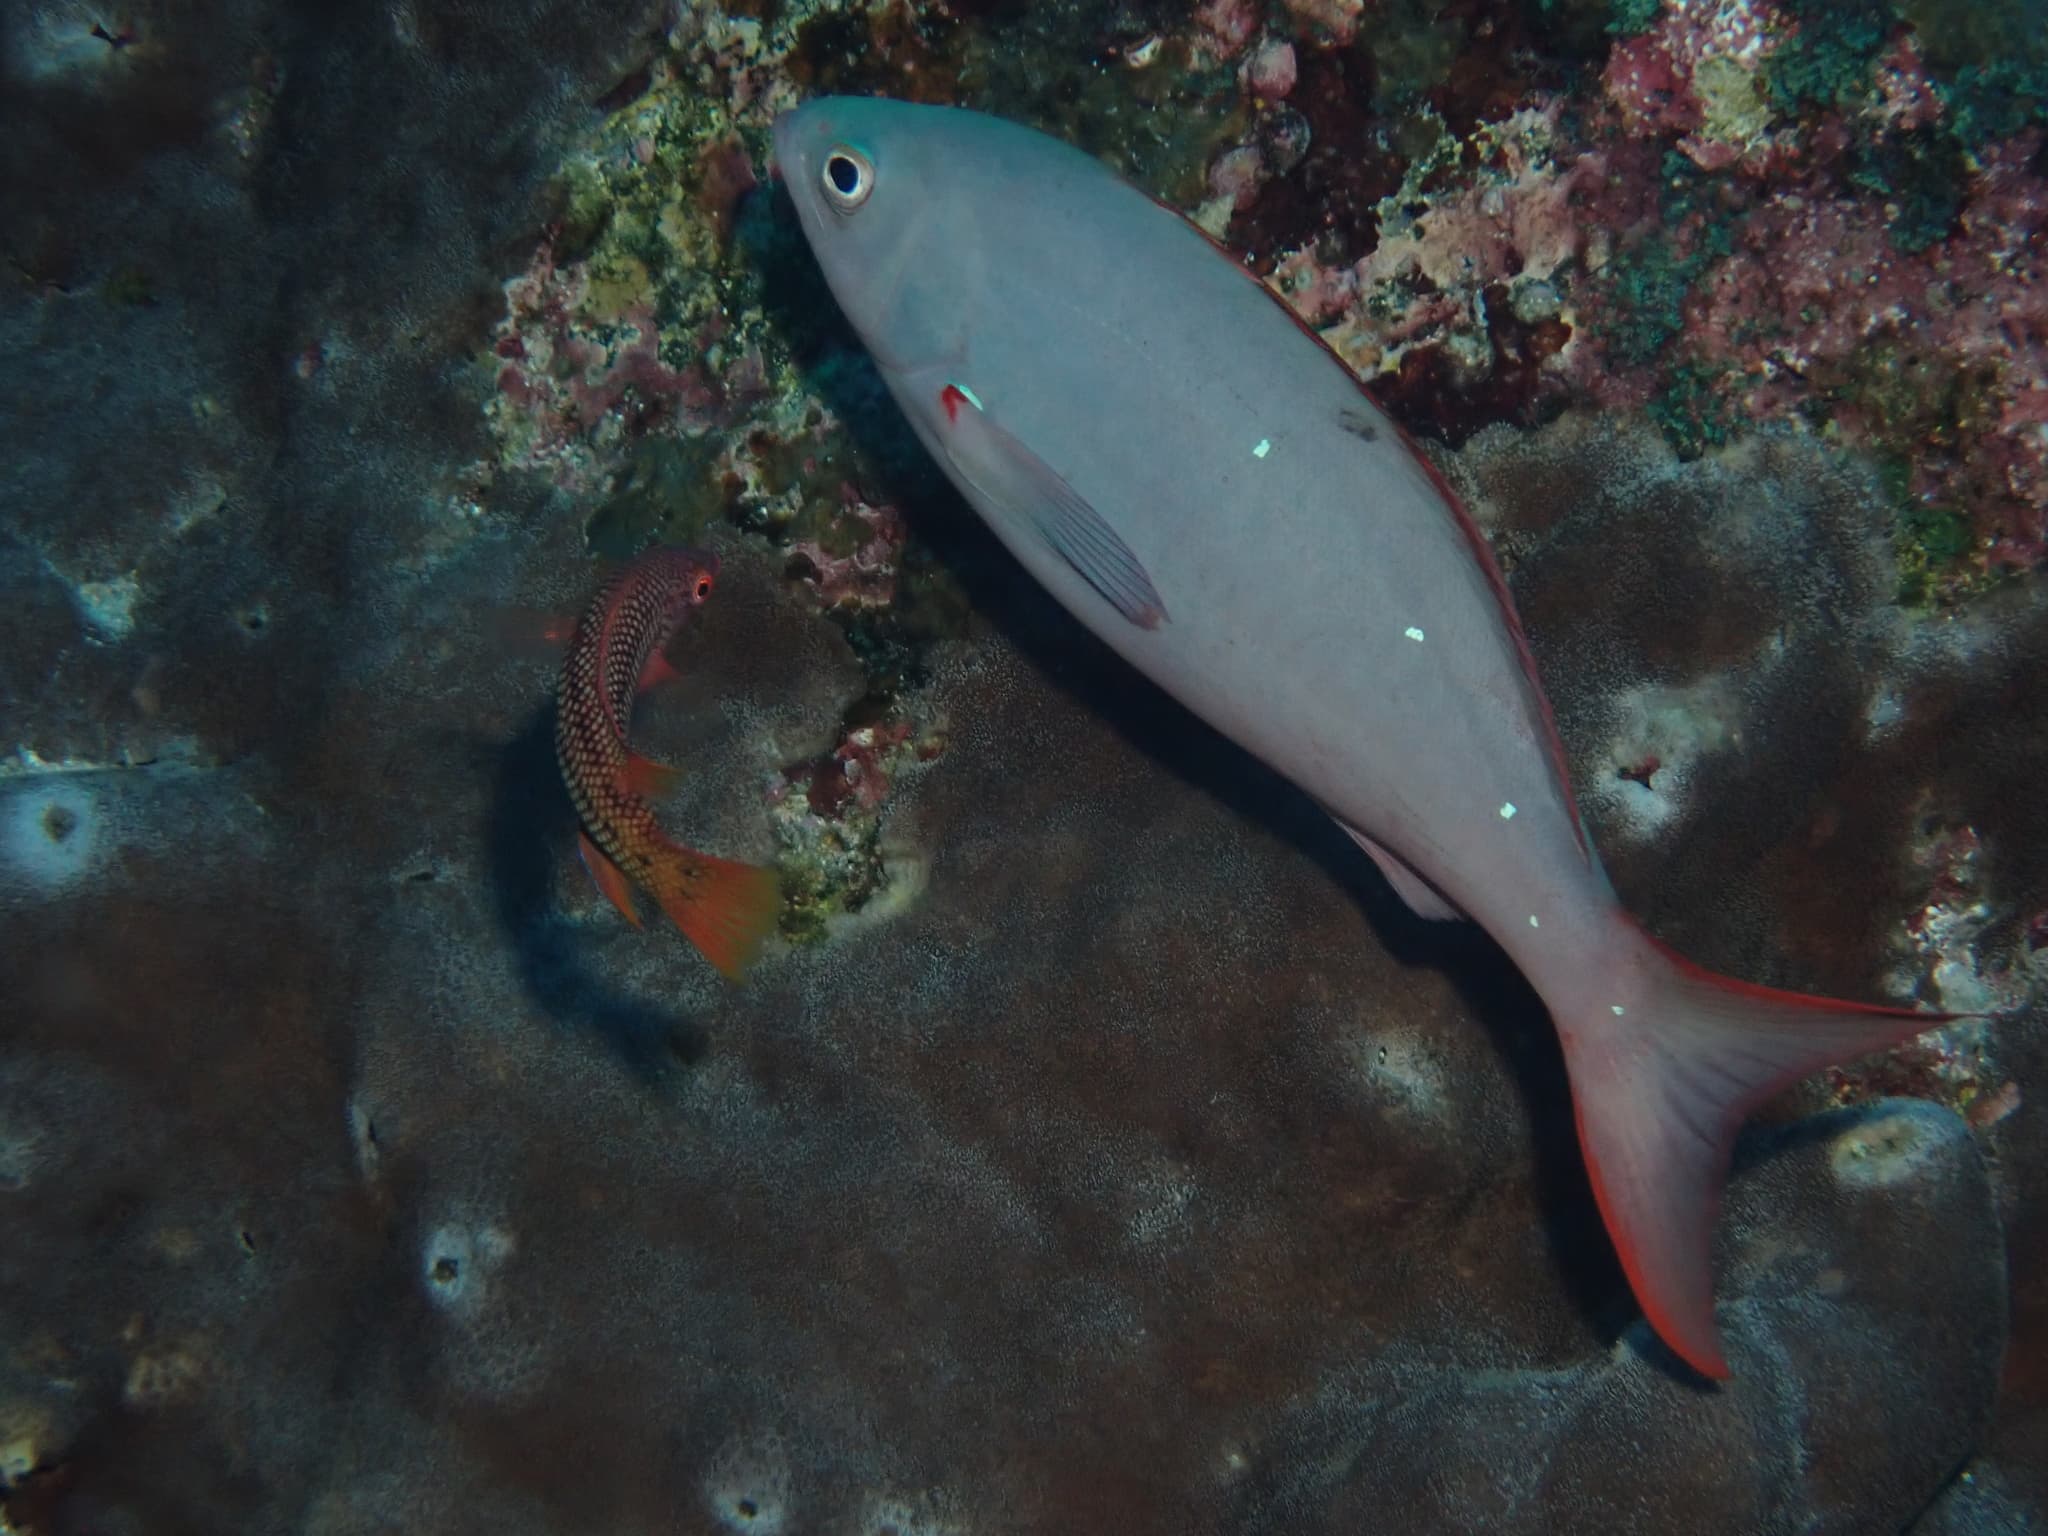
<point x="703" y="588"/>
<point x="848" y="177"/>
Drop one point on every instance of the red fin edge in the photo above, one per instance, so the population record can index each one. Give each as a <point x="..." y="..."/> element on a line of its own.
<point x="1664" y="1070"/>
<point x="1475" y="536"/>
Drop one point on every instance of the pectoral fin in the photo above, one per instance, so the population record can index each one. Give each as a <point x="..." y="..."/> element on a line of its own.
<point x="658" y="670"/>
<point x="644" y="777"/>
<point x="1022" y="487"/>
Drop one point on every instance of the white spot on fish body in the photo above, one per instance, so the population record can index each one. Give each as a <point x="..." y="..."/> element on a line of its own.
<point x="1507" y="810"/>
<point x="1265" y="446"/>
<point x="1532" y="921"/>
<point x="1413" y="634"/>
<point x="1618" y="1009"/>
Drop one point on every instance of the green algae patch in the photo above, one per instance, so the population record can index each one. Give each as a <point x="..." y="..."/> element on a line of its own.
<point x="1831" y="57"/>
<point x="1923" y="175"/>
<point x="1650" y="281"/>
<point x="1692" y="410"/>
<point x="672" y="491"/>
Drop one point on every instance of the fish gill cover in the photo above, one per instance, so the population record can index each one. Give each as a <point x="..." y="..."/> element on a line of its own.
<point x="1102" y="1147"/>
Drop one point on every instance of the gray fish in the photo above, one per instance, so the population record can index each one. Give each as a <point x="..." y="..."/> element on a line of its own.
<point x="1201" y="482"/>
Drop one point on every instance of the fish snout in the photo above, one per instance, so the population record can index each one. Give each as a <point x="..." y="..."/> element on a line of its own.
<point x="785" y="154"/>
<point x="778" y="145"/>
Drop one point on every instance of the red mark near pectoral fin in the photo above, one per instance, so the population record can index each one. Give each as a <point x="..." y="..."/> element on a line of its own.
<point x="952" y="397"/>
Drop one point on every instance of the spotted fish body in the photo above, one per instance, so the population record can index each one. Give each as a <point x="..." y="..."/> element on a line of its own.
<point x="1200" y="481"/>
<point x="724" y="908"/>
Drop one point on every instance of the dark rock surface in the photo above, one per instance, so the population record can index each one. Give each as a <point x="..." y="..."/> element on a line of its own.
<point x="1147" y="1171"/>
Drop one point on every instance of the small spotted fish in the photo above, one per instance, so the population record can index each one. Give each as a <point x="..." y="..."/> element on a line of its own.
<point x="723" y="907"/>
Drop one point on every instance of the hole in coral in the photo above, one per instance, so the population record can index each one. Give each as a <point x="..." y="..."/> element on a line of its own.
<point x="446" y="1271"/>
<point x="59" y="822"/>
<point x="747" y="1508"/>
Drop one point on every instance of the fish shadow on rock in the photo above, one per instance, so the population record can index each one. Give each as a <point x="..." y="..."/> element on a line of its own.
<point x="528" y="832"/>
<point x="837" y="367"/>
<point x="1488" y="984"/>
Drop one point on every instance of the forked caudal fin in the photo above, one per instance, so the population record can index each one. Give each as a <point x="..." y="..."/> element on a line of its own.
<point x="1662" y="1075"/>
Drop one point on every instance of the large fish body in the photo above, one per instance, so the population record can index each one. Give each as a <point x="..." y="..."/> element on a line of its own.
<point x="1202" y="483"/>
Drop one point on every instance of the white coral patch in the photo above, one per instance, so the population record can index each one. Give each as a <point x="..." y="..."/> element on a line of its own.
<point x="1663" y="735"/>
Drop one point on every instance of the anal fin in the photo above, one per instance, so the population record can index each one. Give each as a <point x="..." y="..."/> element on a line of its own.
<point x="1423" y="899"/>
<point x="609" y="877"/>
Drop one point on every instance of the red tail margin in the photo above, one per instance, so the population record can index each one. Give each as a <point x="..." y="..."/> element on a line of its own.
<point x="1663" y="1075"/>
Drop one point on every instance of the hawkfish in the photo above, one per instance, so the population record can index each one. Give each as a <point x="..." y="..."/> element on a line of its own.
<point x="723" y="907"/>
<point x="1198" y="479"/>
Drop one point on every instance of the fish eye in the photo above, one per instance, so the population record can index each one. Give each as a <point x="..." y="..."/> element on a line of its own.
<point x="703" y="588"/>
<point x="848" y="177"/>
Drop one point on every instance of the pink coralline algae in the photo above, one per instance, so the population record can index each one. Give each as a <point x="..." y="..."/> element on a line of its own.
<point x="1517" y="218"/>
<point x="1954" y="1063"/>
<point x="1817" y="295"/>
<point x="1337" y="19"/>
<point x="1236" y="175"/>
<point x="1906" y="97"/>
<point x="857" y="774"/>
<point x="1506" y="230"/>
<point x="1226" y="26"/>
<point x="864" y="576"/>
<point x="1269" y="74"/>
<point x="1695" y="73"/>
<point x="567" y="378"/>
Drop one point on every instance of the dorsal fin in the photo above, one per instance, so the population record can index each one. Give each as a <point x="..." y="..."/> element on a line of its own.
<point x="1475" y="537"/>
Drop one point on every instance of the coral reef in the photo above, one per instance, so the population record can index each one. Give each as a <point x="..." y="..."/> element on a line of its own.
<point x="1102" y="1146"/>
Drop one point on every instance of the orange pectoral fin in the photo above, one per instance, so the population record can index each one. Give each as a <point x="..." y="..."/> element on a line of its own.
<point x="658" y="670"/>
<point x="644" y="777"/>
<point x="723" y="907"/>
<point x="609" y="877"/>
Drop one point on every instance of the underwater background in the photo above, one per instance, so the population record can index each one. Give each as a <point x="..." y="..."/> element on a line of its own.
<point x="1101" y="1146"/>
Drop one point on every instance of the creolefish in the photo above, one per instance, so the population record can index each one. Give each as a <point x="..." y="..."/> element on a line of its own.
<point x="1202" y="483"/>
<point x="724" y="908"/>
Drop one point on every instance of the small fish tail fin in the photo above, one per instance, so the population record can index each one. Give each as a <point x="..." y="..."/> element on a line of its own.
<point x="1665" y="1063"/>
<point x="724" y="907"/>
